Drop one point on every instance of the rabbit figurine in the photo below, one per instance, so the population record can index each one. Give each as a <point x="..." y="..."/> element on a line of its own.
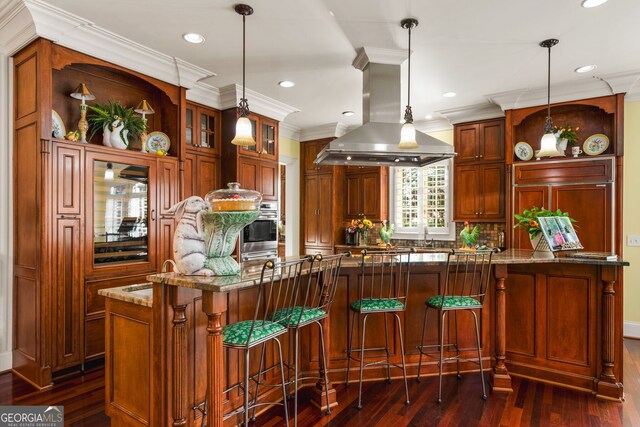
<point x="188" y="239"/>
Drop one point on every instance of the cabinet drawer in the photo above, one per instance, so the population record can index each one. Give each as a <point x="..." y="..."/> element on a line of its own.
<point x="94" y="303"/>
<point x="94" y="338"/>
<point x="587" y="171"/>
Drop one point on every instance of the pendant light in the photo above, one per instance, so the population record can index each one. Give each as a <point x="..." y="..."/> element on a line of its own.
<point x="108" y="172"/>
<point x="548" y="143"/>
<point x="244" y="133"/>
<point x="408" y="131"/>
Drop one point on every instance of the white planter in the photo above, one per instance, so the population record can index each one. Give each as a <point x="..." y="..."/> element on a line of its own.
<point x="113" y="138"/>
<point x="562" y="145"/>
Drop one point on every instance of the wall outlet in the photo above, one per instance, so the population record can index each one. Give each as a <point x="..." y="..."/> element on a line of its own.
<point x="633" y="240"/>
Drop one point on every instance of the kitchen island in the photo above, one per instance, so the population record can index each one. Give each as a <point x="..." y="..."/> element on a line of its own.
<point x="552" y="319"/>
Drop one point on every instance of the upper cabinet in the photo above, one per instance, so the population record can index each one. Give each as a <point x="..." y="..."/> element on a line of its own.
<point x="367" y="193"/>
<point x="482" y="141"/>
<point x="311" y="150"/>
<point x="265" y="133"/>
<point x="202" y="128"/>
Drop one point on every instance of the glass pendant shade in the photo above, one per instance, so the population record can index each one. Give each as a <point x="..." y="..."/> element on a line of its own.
<point x="408" y="136"/>
<point x="244" y="134"/>
<point x="108" y="172"/>
<point x="548" y="146"/>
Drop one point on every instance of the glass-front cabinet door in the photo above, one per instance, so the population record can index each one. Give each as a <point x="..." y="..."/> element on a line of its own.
<point x="252" y="149"/>
<point x="121" y="228"/>
<point x="268" y="138"/>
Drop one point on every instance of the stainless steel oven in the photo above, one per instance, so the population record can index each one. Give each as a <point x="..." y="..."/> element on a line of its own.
<point x="259" y="240"/>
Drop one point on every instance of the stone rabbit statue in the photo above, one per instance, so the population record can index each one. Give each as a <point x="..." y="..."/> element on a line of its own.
<point x="188" y="240"/>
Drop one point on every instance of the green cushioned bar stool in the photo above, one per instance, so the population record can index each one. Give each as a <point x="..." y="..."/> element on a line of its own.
<point x="312" y="306"/>
<point x="383" y="287"/>
<point x="277" y="292"/>
<point x="465" y="288"/>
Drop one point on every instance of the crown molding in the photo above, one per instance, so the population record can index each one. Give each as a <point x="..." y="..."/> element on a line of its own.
<point x="230" y="97"/>
<point x="433" y="125"/>
<point x="287" y="130"/>
<point x="472" y="113"/>
<point x="189" y="74"/>
<point x="328" y="130"/>
<point x="378" y="55"/>
<point x="205" y="94"/>
<point x="17" y="28"/>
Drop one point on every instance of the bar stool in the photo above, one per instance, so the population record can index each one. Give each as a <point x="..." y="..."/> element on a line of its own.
<point x="313" y="305"/>
<point x="382" y="289"/>
<point x="467" y="279"/>
<point x="277" y="292"/>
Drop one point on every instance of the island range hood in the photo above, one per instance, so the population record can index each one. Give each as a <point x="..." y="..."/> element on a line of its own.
<point x="375" y="143"/>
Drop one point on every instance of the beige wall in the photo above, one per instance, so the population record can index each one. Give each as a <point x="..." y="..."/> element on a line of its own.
<point x="631" y="209"/>
<point x="444" y="136"/>
<point x="289" y="147"/>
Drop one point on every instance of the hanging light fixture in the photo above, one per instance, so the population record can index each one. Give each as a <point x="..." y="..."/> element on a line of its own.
<point x="408" y="132"/>
<point x="108" y="172"/>
<point x="244" y="134"/>
<point x="548" y="143"/>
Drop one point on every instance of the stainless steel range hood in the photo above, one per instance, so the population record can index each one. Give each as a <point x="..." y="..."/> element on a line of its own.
<point x="375" y="143"/>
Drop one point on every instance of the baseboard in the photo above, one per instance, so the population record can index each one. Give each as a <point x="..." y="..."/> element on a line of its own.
<point x="631" y="329"/>
<point x="5" y="361"/>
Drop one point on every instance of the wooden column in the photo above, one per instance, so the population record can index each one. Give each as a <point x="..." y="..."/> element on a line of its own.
<point x="500" y="378"/>
<point x="179" y="364"/>
<point x="319" y="397"/>
<point x="607" y="385"/>
<point x="214" y="304"/>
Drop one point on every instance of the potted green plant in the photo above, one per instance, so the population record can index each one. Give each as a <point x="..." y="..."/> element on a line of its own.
<point x="117" y="123"/>
<point x="566" y="135"/>
<point x="528" y="221"/>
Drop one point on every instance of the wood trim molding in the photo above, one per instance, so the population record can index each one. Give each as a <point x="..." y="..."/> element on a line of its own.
<point x="230" y="97"/>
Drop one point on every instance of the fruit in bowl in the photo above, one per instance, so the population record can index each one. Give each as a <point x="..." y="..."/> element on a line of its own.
<point x="72" y="136"/>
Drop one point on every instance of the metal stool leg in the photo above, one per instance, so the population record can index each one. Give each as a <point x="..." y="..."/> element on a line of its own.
<point x="326" y="368"/>
<point x="475" y="319"/>
<point x="354" y="316"/>
<point x="255" y="398"/>
<point x="455" y="315"/>
<point x="364" y="330"/>
<point x="420" y="348"/>
<point x="284" y="386"/>
<point x="246" y="388"/>
<point x="444" y="313"/>
<point x="295" y="379"/>
<point x="386" y="348"/>
<point x="404" y="366"/>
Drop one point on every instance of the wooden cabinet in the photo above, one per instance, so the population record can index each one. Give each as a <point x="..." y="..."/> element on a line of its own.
<point x="201" y="174"/>
<point x="479" y="192"/>
<point x="318" y="228"/>
<point x="310" y="151"/>
<point x="202" y="128"/>
<point x="483" y="141"/>
<point x="367" y="193"/>
<point x="258" y="175"/>
<point x="265" y="133"/>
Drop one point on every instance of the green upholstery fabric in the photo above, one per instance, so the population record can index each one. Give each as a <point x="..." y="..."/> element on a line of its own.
<point x="453" y="301"/>
<point x="377" y="304"/>
<point x="309" y="314"/>
<point x="237" y="333"/>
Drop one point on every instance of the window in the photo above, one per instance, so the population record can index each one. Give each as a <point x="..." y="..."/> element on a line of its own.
<point x="421" y="201"/>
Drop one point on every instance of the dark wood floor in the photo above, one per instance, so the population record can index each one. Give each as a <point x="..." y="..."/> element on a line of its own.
<point x="531" y="404"/>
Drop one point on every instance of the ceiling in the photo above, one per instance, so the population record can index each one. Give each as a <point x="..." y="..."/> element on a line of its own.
<point x="473" y="48"/>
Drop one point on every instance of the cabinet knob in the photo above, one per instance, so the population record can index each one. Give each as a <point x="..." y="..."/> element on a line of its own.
<point x="153" y="214"/>
<point x="481" y="155"/>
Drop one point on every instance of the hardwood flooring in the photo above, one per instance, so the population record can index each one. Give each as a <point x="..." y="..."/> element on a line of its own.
<point x="531" y="404"/>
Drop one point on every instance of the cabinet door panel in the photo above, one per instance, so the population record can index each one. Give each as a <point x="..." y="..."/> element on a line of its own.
<point x="69" y="161"/>
<point x="207" y="172"/>
<point x="325" y="197"/>
<point x="353" y="196"/>
<point x="168" y="185"/>
<point x="525" y="198"/>
<point x="189" y="171"/>
<point x="165" y="234"/>
<point x="466" y="192"/>
<point x="311" y="221"/>
<point x="269" y="180"/>
<point x="310" y="153"/>
<point x="371" y="196"/>
<point x="590" y="206"/>
<point x="248" y="175"/>
<point x="492" y="193"/>
<point x="68" y="288"/>
<point x="467" y="142"/>
<point x="492" y="141"/>
<point x="268" y="139"/>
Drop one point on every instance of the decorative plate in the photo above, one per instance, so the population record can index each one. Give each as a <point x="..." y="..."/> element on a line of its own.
<point x="596" y="144"/>
<point x="158" y="141"/>
<point x="523" y="151"/>
<point x="57" y="127"/>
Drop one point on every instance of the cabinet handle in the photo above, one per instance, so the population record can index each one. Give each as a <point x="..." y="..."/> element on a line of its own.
<point x="479" y="213"/>
<point x="481" y="155"/>
<point x="68" y="216"/>
<point x="153" y="214"/>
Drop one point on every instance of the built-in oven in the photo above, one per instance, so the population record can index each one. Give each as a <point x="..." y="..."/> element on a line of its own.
<point x="259" y="240"/>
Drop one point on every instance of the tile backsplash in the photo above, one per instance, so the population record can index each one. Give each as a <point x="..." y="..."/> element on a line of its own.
<point x="488" y="236"/>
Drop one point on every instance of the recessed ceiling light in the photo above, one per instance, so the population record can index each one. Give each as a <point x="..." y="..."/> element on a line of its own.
<point x="348" y="113"/>
<point x="585" y="68"/>
<point x="348" y="157"/>
<point x="449" y="94"/>
<point x="592" y="3"/>
<point x="193" y="38"/>
<point x="286" y="83"/>
<point x="428" y="117"/>
<point x="331" y="13"/>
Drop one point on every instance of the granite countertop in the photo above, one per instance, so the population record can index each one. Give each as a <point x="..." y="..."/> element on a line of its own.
<point x="250" y="271"/>
<point x="141" y="294"/>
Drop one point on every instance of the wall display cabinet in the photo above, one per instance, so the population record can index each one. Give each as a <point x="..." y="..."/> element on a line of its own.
<point x="479" y="171"/>
<point x="75" y="229"/>
<point x="367" y="193"/>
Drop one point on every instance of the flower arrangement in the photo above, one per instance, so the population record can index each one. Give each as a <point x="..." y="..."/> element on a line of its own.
<point x="360" y="225"/>
<point x="567" y="132"/>
<point x="528" y="220"/>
